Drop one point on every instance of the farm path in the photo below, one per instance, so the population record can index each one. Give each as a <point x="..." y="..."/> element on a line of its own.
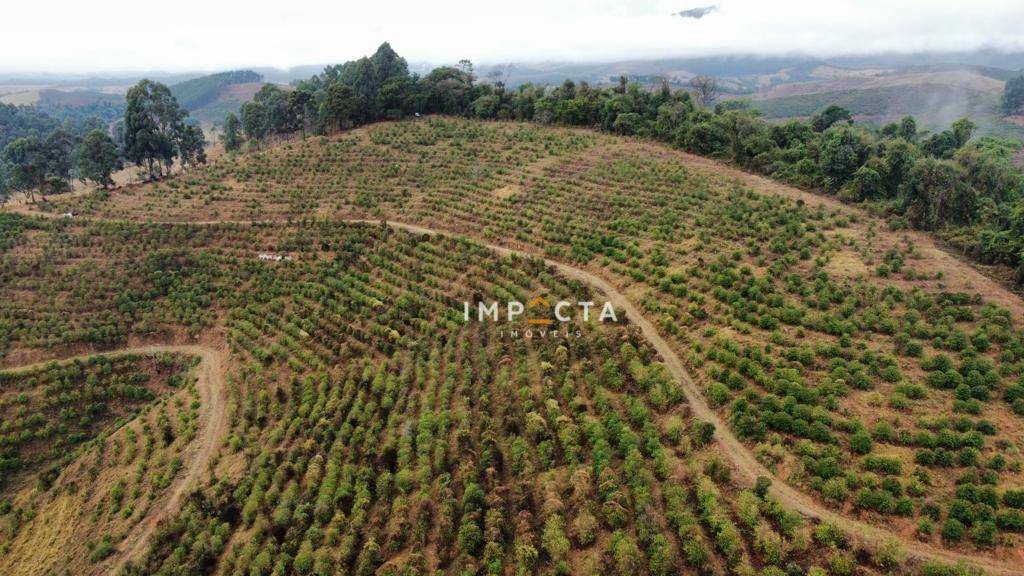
<point x="213" y="423"/>
<point x="741" y="457"/>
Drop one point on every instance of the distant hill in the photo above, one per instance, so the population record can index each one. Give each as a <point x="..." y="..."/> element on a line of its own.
<point x="935" y="95"/>
<point x="209" y="98"/>
<point x="33" y="95"/>
<point x="741" y="74"/>
<point x="78" y="105"/>
<point x="198" y="92"/>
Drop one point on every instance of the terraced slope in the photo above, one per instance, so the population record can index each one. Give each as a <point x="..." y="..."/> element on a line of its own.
<point x="373" y="429"/>
<point x="64" y="505"/>
<point x="861" y="364"/>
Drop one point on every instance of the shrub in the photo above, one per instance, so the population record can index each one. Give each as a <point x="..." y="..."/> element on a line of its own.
<point x="585" y="528"/>
<point x="860" y="442"/>
<point x="553" y="539"/>
<point x="953" y="530"/>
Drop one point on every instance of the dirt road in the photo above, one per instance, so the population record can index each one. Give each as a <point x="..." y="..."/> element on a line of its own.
<point x="744" y="461"/>
<point x="212" y="429"/>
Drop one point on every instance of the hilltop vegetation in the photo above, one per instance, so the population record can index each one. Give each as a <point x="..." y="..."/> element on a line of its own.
<point x="371" y="429"/>
<point x="967" y="190"/>
<point x="39" y="157"/>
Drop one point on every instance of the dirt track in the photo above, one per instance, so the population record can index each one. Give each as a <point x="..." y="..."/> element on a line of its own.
<point x="744" y="461"/>
<point x="213" y="426"/>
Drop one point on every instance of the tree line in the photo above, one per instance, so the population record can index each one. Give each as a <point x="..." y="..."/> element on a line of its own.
<point x="966" y="188"/>
<point x="44" y="157"/>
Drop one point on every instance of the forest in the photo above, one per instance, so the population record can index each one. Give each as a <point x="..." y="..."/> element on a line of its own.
<point x="40" y="155"/>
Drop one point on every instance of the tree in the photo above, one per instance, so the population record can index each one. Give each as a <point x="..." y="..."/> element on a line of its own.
<point x="278" y="109"/>
<point x="27" y="161"/>
<point x="843" y="151"/>
<point x="231" y="137"/>
<point x="897" y="160"/>
<point x="946" y="143"/>
<point x="299" y="101"/>
<point x="1013" y="96"/>
<point x="254" y="121"/>
<point x="191" y="145"/>
<point x="60" y="148"/>
<point x="705" y="89"/>
<point x="907" y="129"/>
<point x="97" y="158"/>
<point x="448" y="90"/>
<point x="466" y="66"/>
<point x="936" y="193"/>
<point x="398" y="97"/>
<point x="153" y="124"/>
<point x="829" y="116"/>
<point x="341" y="109"/>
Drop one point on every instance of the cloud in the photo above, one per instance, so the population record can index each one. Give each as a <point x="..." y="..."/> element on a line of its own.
<point x="697" y="13"/>
<point x="283" y="34"/>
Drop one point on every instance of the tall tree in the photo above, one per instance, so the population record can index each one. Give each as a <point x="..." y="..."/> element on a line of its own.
<point x="254" y="121"/>
<point x="60" y="148"/>
<point x="705" y="89"/>
<point x="97" y="158"/>
<point x="448" y="90"/>
<point x="231" y="137"/>
<point x="342" y="107"/>
<point x="299" y="101"/>
<point x="277" y="108"/>
<point x="844" y="149"/>
<point x="153" y="124"/>
<point x="937" y="194"/>
<point x="192" y="145"/>
<point x="27" y="160"/>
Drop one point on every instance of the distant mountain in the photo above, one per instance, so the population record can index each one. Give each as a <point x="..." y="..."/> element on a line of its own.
<point x="748" y="74"/>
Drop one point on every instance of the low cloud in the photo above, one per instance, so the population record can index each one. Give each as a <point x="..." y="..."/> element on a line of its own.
<point x="697" y="13"/>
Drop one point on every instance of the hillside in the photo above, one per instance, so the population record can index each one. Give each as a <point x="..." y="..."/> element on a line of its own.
<point x="372" y="429"/>
<point x="209" y="98"/>
<point x="936" y="98"/>
<point x="853" y="363"/>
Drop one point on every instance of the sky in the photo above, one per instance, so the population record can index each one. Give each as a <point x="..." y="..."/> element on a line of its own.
<point x="192" y="35"/>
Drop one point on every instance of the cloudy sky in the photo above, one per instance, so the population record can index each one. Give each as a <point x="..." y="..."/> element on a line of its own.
<point x="111" y="35"/>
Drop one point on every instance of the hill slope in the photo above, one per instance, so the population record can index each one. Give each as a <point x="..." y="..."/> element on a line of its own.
<point x="210" y="98"/>
<point x="858" y="364"/>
